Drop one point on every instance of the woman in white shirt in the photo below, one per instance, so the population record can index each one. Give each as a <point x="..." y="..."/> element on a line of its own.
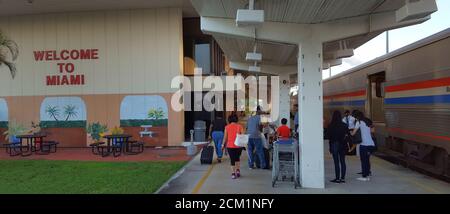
<point x="367" y="145"/>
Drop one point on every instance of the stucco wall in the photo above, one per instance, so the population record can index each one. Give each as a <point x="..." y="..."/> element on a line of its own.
<point x="139" y="52"/>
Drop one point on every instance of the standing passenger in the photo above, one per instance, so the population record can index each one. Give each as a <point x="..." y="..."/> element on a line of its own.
<point x="217" y="131"/>
<point x="231" y="131"/>
<point x="337" y="131"/>
<point x="365" y="149"/>
<point x="349" y="120"/>
<point x="255" y="146"/>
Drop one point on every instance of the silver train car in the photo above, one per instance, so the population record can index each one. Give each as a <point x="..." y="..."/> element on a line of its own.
<point x="407" y="95"/>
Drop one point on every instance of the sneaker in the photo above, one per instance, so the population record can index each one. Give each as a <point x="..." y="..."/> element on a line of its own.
<point x="233" y="176"/>
<point x="360" y="173"/>
<point x="219" y="160"/>
<point x="363" y="179"/>
<point x="335" y="181"/>
<point x="238" y="173"/>
<point x="342" y="181"/>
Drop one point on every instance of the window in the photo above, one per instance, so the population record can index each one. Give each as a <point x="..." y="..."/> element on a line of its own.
<point x="203" y="57"/>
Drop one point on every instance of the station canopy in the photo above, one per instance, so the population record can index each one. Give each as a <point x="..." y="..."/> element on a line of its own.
<point x="377" y="16"/>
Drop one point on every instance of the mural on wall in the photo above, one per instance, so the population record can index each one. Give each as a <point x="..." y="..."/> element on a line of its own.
<point x="3" y="113"/>
<point x="63" y="112"/>
<point x="9" y="51"/>
<point x="143" y="110"/>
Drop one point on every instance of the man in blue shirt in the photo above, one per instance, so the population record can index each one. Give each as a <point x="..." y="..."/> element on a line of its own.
<point x="255" y="146"/>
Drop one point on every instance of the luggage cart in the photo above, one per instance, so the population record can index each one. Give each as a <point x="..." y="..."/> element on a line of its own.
<point x="286" y="162"/>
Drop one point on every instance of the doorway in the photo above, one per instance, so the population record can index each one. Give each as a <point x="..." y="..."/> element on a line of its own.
<point x="376" y="97"/>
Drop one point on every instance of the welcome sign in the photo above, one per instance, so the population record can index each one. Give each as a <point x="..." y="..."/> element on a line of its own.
<point x="65" y="66"/>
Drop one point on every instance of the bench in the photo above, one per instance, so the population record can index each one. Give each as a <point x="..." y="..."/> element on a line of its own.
<point x="49" y="146"/>
<point x="13" y="149"/>
<point x="132" y="145"/>
<point x="96" y="147"/>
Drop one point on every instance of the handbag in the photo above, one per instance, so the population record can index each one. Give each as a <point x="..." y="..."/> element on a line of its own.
<point x="241" y="140"/>
<point x="264" y="141"/>
<point x="357" y="139"/>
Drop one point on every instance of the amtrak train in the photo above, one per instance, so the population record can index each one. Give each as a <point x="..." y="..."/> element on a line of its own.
<point x="407" y="95"/>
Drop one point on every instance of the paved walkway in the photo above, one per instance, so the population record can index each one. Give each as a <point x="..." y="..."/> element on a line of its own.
<point x="387" y="178"/>
<point x="85" y="154"/>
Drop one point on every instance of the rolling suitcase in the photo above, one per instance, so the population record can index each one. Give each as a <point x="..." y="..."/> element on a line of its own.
<point x="207" y="154"/>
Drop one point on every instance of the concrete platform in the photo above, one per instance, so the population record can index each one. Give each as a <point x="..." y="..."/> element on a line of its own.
<point x="387" y="178"/>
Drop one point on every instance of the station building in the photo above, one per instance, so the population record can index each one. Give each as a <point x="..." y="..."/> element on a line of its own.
<point x="108" y="66"/>
<point x="112" y="62"/>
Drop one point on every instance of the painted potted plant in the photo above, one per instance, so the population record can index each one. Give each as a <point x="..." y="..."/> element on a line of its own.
<point x="117" y="131"/>
<point x="96" y="131"/>
<point x="14" y="129"/>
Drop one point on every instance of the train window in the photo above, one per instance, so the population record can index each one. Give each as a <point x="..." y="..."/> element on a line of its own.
<point x="378" y="89"/>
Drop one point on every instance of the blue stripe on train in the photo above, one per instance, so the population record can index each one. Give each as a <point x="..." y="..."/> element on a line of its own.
<point x="418" y="100"/>
<point x="347" y="103"/>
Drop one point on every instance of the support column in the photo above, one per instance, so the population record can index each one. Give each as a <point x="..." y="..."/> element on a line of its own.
<point x="310" y="100"/>
<point x="285" y="99"/>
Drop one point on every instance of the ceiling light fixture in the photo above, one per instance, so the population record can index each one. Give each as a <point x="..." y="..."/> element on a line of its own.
<point x="253" y="56"/>
<point x="250" y="16"/>
<point x="415" y="10"/>
<point x="254" y="68"/>
<point x="343" y="51"/>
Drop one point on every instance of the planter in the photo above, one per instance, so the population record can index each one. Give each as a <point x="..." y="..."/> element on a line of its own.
<point x="14" y="139"/>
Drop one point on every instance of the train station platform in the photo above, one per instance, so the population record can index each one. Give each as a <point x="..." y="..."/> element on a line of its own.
<point x="387" y="178"/>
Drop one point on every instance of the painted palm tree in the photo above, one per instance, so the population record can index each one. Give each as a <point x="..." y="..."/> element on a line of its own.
<point x="156" y="114"/>
<point x="7" y="45"/>
<point x="52" y="111"/>
<point x="70" y="111"/>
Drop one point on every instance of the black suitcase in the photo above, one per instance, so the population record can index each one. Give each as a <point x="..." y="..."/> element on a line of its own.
<point x="207" y="154"/>
<point x="266" y="157"/>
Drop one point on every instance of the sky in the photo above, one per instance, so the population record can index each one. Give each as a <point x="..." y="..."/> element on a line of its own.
<point x="398" y="38"/>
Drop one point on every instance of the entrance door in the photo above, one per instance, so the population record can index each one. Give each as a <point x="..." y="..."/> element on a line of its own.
<point x="376" y="97"/>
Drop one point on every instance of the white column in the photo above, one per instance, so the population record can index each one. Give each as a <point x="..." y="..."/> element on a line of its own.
<point x="312" y="173"/>
<point x="285" y="99"/>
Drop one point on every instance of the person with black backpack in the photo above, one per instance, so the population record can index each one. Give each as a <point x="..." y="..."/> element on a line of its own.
<point x="337" y="132"/>
<point x="365" y="128"/>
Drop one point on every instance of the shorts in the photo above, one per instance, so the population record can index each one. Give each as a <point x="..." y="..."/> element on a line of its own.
<point x="235" y="155"/>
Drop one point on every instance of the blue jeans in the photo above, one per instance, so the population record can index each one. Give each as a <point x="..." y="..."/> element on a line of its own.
<point x="364" y="154"/>
<point x="255" y="144"/>
<point x="217" y="137"/>
<point x="338" y="152"/>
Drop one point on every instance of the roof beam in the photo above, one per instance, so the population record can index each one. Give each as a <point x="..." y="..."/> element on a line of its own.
<point x="225" y="27"/>
<point x="345" y="28"/>
<point x="295" y="33"/>
<point x="267" y="69"/>
<point x="271" y="31"/>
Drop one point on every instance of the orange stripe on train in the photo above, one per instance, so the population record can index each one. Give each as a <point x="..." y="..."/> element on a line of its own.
<point x="419" y="134"/>
<point x="419" y="85"/>
<point x="348" y="94"/>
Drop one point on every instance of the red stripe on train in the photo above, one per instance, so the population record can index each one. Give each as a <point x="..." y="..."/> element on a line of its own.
<point x="348" y="94"/>
<point x="419" y="134"/>
<point x="419" y="85"/>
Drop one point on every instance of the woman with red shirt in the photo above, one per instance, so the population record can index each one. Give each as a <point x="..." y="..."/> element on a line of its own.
<point x="231" y="131"/>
